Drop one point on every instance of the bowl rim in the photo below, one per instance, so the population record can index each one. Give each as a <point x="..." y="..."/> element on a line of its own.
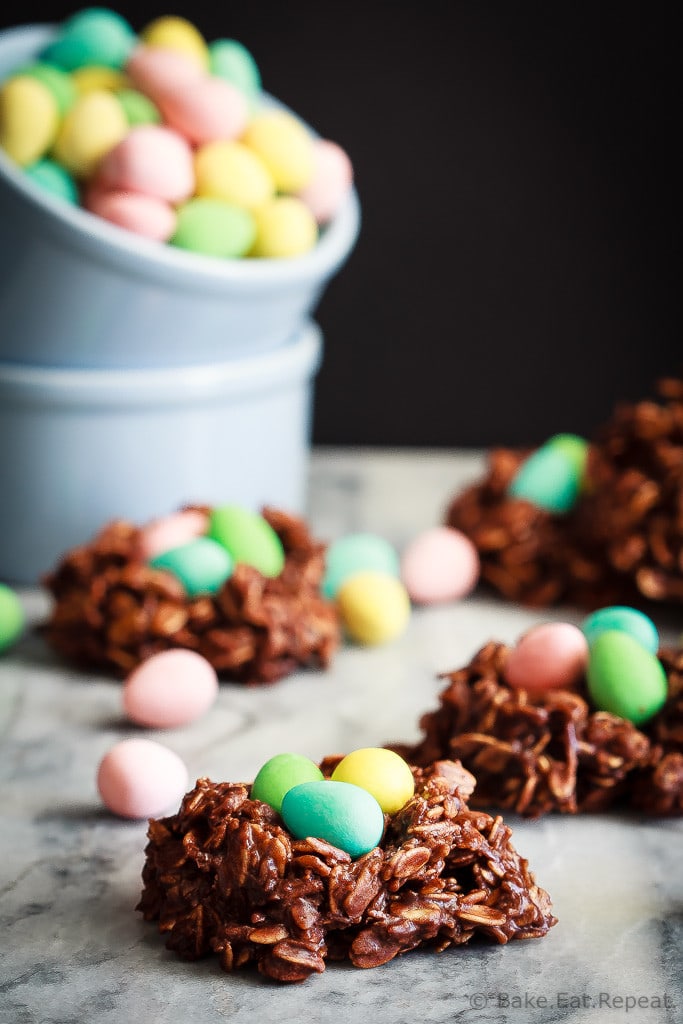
<point x="105" y="242"/>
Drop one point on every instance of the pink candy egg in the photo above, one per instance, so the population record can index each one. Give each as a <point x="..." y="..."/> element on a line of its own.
<point x="139" y="778"/>
<point x="205" y="110"/>
<point x="440" y="564"/>
<point x="145" y="215"/>
<point x="169" y="689"/>
<point x="152" y="160"/>
<point x="157" y="72"/>
<point x="548" y="657"/>
<point x="331" y="182"/>
<point x="170" y="532"/>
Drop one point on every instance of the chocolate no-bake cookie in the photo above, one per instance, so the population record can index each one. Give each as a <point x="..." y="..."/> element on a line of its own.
<point x="112" y="610"/>
<point x="224" y="876"/>
<point x="623" y="540"/>
<point x="553" y="752"/>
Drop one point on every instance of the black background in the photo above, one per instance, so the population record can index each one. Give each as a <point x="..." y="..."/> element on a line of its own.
<point x="517" y="269"/>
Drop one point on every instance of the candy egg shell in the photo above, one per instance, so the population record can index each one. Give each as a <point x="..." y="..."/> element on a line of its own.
<point x="280" y="774"/>
<point x="95" y="35"/>
<point x="285" y="227"/>
<point x="161" y="72"/>
<point x="344" y="815"/>
<point x="547" y="479"/>
<point x="53" y="178"/>
<point x="624" y="678"/>
<point x="628" y="620"/>
<point x="94" y="78"/>
<point x="440" y="564"/>
<point x="573" y="447"/>
<point x="202" y="565"/>
<point x="357" y="552"/>
<point x="12" y="618"/>
<point x="374" y="607"/>
<point x="170" y="689"/>
<point x="137" y="107"/>
<point x="169" y="532"/>
<point x="29" y="119"/>
<point x="139" y="778"/>
<point x="152" y="160"/>
<point x="548" y="657"/>
<point x="233" y="173"/>
<point x="59" y="83"/>
<point x="285" y="147"/>
<point x="381" y="772"/>
<point x="145" y="215"/>
<point x="205" y="110"/>
<point x="93" y="126"/>
<point x="173" y="33"/>
<point x="331" y="181"/>
<point x="232" y="61"/>
<point x="214" y="228"/>
<point x="249" y="538"/>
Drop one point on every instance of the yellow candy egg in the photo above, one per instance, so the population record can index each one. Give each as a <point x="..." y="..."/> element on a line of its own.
<point x="374" y="607"/>
<point x="29" y="119"/>
<point x="94" y="78"/>
<point x="381" y="772"/>
<point x="173" y="33"/>
<point x="285" y="146"/>
<point x="284" y="227"/>
<point x="93" y="126"/>
<point x="234" y="173"/>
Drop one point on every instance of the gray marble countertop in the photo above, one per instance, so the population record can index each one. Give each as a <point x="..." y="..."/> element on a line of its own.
<point x="72" y="949"/>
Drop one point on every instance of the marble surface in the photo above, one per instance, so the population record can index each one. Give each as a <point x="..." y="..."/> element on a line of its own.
<point x="72" y="949"/>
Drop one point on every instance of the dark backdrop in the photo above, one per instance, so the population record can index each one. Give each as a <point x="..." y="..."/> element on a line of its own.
<point x="517" y="267"/>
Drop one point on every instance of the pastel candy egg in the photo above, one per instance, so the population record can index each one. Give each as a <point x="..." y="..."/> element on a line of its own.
<point x="575" y="448"/>
<point x="172" y="531"/>
<point x="382" y="773"/>
<point x="547" y="479"/>
<point x="280" y="774"/>
<point x="92" y="36"/>
<point x="549" y="657"/>
<point x="440" y="564"/>
<point x="624" y="678"/>
<point x="214" y="228"/>
<point x="354" y="553"/>
<point x="374" y="607"/>
<point x="161" y="72"/>
<point x="207" y="109"/>
<point x="285" y="146"/>
<point x="249" y="538"/>
<point x="144" y="215"/>
<point x="94" y="78"/>
<point x="344" y="815"/>
<point x="627" y="620"/>
<point x="137" y="107"/>
<point x="12" y="618"/>
<point x="29" y="119"/>
<point x="232" y="172"/>
<point x="53" y="178"/>
<point x="202" y="565"/>
<point x="173" y="33"/>
<point x="285" y="227"/>
<point x="232" y="61"/>
<point x="331" y="181"/>
<point x="139" y="778"/>
<point x="170" y="689"/>
<point x="152" y="160"/>
<point x="58" y="81"/>
<point x="93" y="126"/>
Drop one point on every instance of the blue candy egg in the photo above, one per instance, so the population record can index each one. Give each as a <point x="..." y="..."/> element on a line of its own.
<point x="624" y="619"/>
<point x="549" y="479"/>
<point x="341" y="813"/>
<point x="357" y="552"/>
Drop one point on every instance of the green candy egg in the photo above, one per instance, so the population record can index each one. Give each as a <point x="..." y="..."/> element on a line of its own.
<point x="547" y="479"/>
<point x="56" y="80"/>
<point x="624" y="678"/>
<point x="232" y="61"/>
<point x="12" y="618"/>
<point x="137" y="107"/>
<point x="214" y="228"/>
<point x="357" y="552"/>
<point x="575" y="448"/>
<point x="249" y="538"/>
<point x="202" y="565"/>
<point x="624" y="619"/>
<point x="55" y="179"/>
<point x="279" y="775"/>
<point x="95" y="35"/>
<point x="341" y="813"/>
